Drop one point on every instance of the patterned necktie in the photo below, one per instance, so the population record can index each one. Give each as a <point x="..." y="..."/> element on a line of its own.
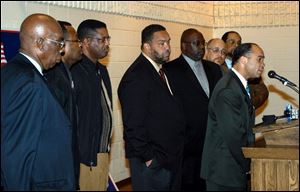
<point x="162" y="76"/>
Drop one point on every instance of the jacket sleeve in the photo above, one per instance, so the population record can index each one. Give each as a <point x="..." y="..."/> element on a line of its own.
<point x="233" y="129"/>
<point x="20" y="131"/>
<point x="135" y="103"/>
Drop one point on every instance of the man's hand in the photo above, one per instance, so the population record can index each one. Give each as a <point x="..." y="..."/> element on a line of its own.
<point x="148" y="163"/>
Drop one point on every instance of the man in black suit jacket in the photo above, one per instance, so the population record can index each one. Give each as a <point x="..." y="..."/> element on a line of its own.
<point x="152" y="117"/>
<point x="182" y="73"/>
<point x="230" y="122"/>
<point x="60" y="80"/>
<point x="36" y="150"/>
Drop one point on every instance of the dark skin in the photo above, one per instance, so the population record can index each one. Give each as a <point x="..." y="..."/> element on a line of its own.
<point x="73" y="50"/>
<point x="40" y="35"/>
<point x="193" y="44"/>
<point x="96" y="49"/>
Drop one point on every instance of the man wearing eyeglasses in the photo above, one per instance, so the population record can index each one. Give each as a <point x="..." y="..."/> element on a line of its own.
<point x="258" y="90"/>
<point x="60" y="80"/>
<point x="36" y="135"/>
<point x="193" y="80"/>
<point x="94" y="100"/>
<point x="215" y="52"/>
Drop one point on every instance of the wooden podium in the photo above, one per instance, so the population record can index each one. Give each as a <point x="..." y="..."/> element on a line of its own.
<point x="275" y="164"/>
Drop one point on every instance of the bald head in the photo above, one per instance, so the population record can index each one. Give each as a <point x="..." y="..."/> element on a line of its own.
<point x="40" y="37"/>
<point x="215" y="51"/>
<point x="188" y="34"/>
<point x="193" y="44"/>
<point x="35" y="26"/>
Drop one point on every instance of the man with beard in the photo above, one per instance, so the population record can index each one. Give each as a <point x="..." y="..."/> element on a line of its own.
<point x="94" y="100"/>
<point x="215" y="52"/>
<point x="193" y="79"/>
<point x="153" y="120"/>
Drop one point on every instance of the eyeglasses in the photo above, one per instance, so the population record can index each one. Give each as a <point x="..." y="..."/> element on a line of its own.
<point x="74" y="41"/>
<point x="232" y="42"/>
<point x="217" y="50"/>
<point x="197" y="43"/>
<point x="59" y="44"/>
<point x="103" y="39"/>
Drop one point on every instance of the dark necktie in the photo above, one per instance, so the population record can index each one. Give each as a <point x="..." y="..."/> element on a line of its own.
<point x="248" y="90"/>
<point x="162" y="76"/>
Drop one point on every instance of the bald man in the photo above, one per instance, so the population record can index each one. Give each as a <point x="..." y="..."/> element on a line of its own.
<point x="36" y="151"/>
<point x="216" y="52"/>
<point x="193" y="86"/>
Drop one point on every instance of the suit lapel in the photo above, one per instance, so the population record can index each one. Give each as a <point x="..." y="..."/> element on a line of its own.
<point x="244" y="92"/>
<point x="189" y="73"/>
<point x="151" y="70"/>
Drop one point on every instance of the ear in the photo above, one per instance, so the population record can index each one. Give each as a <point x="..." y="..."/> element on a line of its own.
<point x="243" y="59"/>
<point x="147" y="46"/>
<point x="40" y="44"/>
<point x="85" y="42"/>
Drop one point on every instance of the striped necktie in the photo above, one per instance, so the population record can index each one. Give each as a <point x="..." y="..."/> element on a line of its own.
<point x="162" y="75"/>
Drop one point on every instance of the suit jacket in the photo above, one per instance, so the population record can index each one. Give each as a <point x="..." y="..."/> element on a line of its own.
<point x="258" y="90"/>
<point x="60" y="81"/>
<point x="36" y="151"/>
<point x="186" y="86"/>
<point x="229" y="128"/>
<point x="152" y="117"/>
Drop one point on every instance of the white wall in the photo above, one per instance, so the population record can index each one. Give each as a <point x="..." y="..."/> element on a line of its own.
<point x="280" y="43"/>
<point x="281" y="48"/>
<point x="124" y="49"/>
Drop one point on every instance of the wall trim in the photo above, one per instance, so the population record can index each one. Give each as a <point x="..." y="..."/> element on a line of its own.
<point x="215" y="14"/>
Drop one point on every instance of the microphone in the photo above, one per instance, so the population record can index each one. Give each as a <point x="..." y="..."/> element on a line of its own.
<point x="284" y="81"/>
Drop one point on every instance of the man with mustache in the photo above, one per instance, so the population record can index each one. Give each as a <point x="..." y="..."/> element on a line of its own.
<point x="94" y="101"/>
<point x="153" y="120"/>
<point x="258" y="90"/>
<point x="230" y="122"/>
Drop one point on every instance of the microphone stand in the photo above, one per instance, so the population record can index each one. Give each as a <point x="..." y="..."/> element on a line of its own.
<point x="294" y="87"/>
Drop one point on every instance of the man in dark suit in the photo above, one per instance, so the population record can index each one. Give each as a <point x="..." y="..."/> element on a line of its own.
<point x="36" y="149"/>
<point x="152" y="118"/>
<point x="258" y="90"/>
<point x="230" y="122"/>
<point x="194" y="88"/>
<point x="60" y="80"/>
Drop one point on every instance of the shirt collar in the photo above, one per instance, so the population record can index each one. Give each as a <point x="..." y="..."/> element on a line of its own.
<point x="155" y="65"/>
<point x="191" y="62"/>
<point x="242" y="79"/>
<point x="228" y="62"/>
<point x="35" y="64"/>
